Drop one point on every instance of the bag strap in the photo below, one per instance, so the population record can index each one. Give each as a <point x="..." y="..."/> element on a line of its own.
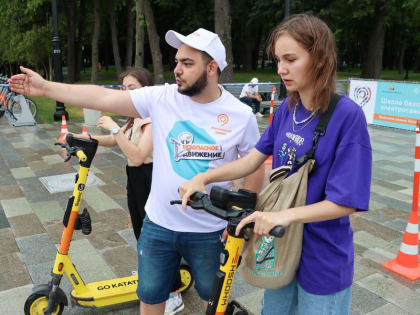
<point x="318" y="132"/>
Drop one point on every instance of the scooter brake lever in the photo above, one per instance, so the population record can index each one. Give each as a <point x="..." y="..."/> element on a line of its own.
<point x="63" y="145"/>
<point x="193" y="204"/>
<point x="196" y="203"/>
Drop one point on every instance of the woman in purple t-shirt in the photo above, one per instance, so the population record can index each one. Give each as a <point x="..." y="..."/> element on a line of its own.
<point x="304" y="48"/>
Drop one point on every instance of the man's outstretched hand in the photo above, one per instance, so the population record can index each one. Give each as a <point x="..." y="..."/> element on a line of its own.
<point x="28" y="83"/>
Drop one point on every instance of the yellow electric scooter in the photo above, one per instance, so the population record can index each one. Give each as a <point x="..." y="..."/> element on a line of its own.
<point x="232" y="207"/>
<point x="49" y="298"/>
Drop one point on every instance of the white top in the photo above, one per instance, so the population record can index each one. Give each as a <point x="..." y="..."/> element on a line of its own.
<point x="248" y="88"/>
<point x="190" y="138"/>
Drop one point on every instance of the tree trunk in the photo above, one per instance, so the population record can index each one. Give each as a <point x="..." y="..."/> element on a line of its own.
<point x="114" y="35"/>
<point x="79" y="43"/>
<point x="401" y="54"/>
<point x="95" y="41"/>
<point x="129" y="41"/>
<point x="372" y="66"/>
<point x="247" y="61"/>
<point x="222" y="23"/>
<point x="154" y="42"/>
<point x="139" y="57"/>
<point x="70" y="7"/>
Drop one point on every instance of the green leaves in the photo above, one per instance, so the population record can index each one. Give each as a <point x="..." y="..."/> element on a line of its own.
<point x="24" y="32"/>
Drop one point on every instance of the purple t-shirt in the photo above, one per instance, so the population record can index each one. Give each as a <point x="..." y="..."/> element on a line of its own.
<point x="342" y="175"/>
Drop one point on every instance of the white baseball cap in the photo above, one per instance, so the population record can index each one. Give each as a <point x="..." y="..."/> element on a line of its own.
<point x="203" y="40"/>
<point x="254" y="81"/>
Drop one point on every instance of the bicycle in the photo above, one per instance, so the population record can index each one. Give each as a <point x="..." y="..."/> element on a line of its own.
<point x="9" y="104"/>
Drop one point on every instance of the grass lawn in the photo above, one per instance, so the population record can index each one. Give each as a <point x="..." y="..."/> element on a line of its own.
<point x="46" y="107"/>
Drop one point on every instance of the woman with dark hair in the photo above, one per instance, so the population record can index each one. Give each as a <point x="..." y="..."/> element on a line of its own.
<point x="135" y="141"/>
<point x="304" y="49"/>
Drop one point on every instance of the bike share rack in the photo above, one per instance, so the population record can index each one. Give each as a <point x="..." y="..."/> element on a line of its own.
<point x="25" y="118"/>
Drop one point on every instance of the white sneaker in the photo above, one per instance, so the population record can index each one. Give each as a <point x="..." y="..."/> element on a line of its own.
<point x="174" y="304"/>
<point x="259" y="114"/>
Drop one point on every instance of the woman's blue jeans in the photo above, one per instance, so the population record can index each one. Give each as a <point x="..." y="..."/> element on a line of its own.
<point x="293" y="300"/>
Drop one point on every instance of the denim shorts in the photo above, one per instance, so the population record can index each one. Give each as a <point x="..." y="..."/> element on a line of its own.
<point x="294" y="300"/>
<point x="160" y="251"/>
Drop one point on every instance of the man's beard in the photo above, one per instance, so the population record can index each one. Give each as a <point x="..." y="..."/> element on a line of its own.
<point x="196" y="87"/>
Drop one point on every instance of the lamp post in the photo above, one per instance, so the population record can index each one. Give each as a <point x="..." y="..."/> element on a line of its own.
<point x="58" y="71"/>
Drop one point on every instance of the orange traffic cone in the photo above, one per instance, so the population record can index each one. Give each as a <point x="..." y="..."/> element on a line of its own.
<point x="406" y="263"/>
<point x="273" y="93"/>
<point x="84" y="130"/>
<point x="64" y="130"/>
<point x="269" y="160"/>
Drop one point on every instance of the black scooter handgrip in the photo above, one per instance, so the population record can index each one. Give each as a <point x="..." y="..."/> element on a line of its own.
<point x="277" y="231"/>
<point x="197" y="195"/>
<point x="194" y="196"/>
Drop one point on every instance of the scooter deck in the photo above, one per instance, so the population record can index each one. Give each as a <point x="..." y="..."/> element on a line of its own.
<point x="107" y="292"/>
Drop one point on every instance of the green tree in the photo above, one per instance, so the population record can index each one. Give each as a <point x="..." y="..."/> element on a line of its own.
<point x="24" y="26"/>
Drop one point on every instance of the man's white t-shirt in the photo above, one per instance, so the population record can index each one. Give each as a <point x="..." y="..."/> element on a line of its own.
<point x="191" y="138"/>
<point x="248" y="88"/>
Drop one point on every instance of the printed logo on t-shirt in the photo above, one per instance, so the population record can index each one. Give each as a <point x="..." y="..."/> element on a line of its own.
<point x="222" y="119"/>
<point x="186" y="149"/>
<point x="287" y="151"/>
<point x="286" y="154"/>
<point x="191" y="149"/>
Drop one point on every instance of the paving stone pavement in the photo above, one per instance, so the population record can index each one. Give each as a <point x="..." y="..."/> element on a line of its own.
<point x="30" y="223"/>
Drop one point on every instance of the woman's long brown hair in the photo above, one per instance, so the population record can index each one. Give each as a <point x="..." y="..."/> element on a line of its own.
<point x="142" y="76"/>
<point x="316" y="37"/>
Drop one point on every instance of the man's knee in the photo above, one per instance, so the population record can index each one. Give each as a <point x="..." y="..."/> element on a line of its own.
<point x="152" y="308"/>
<point x="204" y="289"/>
<point x="152" y="292"/>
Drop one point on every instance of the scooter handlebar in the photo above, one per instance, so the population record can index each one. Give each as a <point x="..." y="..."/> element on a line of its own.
<point x="201" y="201"/>
<point x="277" y="231"/>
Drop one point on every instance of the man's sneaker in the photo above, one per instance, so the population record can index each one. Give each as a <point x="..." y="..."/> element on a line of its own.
<point x="259" y="114"/>
<point x="174" y="304"/>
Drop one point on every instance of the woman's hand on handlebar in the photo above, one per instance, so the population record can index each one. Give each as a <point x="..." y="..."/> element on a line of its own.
<point x="188" y="188"/>
<point x="264" y="222"/>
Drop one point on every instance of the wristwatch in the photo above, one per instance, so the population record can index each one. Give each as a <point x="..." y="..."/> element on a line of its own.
<point x="115" y="130"/>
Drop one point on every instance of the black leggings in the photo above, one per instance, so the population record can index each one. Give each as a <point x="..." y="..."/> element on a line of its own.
<point x="139" y="182"/>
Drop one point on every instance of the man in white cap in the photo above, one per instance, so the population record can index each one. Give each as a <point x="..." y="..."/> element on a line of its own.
<point x="251" y="97"/>
<point x="197" y="126"/>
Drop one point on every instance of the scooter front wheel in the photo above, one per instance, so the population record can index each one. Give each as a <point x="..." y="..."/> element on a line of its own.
<point x="187" y="278"/>
<point x="36" y="303"/>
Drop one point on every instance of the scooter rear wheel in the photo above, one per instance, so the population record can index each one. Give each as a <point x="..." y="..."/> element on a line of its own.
<point x="36" y="303"/>
<point x="187" y="278"/>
